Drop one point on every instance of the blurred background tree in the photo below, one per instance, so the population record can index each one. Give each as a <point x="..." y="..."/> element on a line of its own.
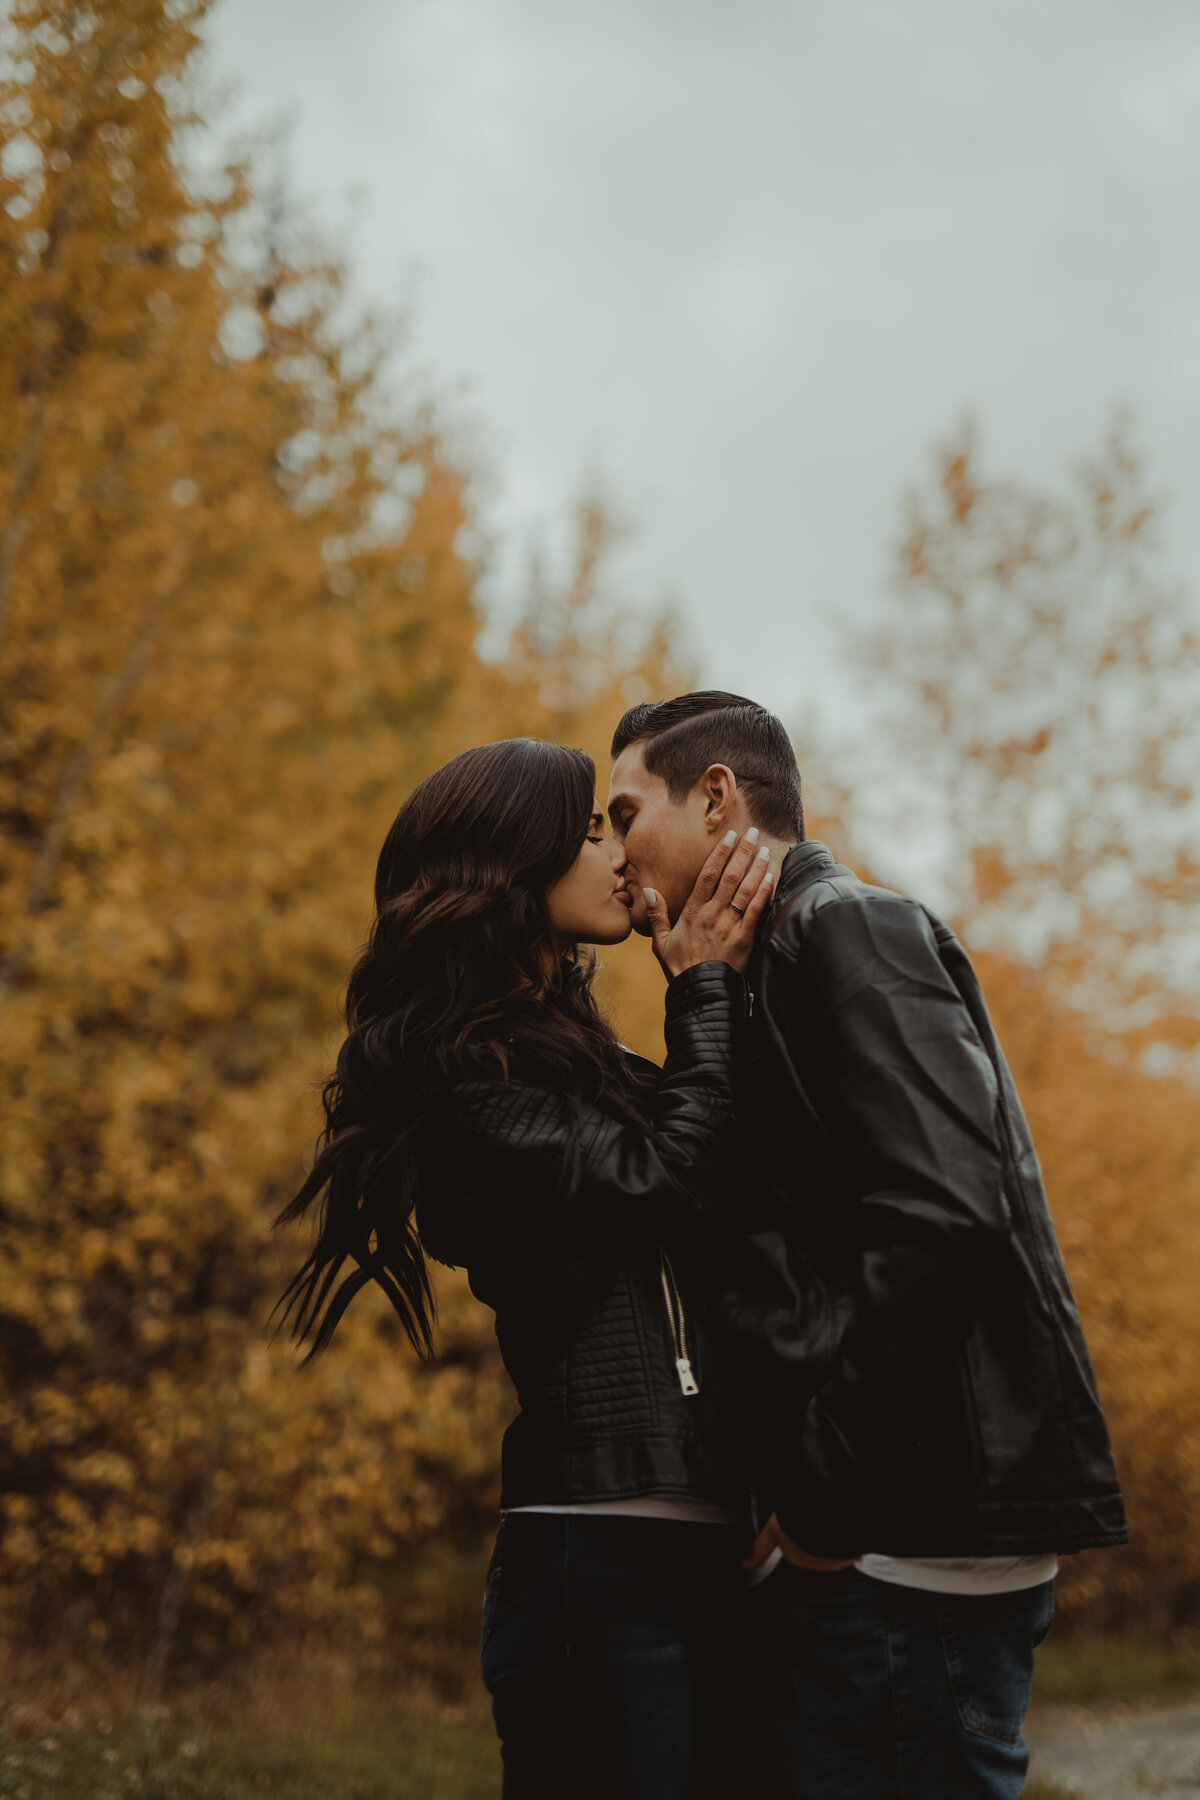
<point x="1040" y="683"/>
<point x="1041" y="680"/>
<point x="238" y="626"/>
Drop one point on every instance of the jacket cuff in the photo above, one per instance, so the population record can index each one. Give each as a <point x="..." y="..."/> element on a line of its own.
<point x="702" y="984"/>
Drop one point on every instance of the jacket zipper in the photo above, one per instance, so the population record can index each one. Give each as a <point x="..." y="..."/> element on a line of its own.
<point x="678" y="1323"/>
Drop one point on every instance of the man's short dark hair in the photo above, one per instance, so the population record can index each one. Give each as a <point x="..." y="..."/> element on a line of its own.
<point x="681" y="738"/>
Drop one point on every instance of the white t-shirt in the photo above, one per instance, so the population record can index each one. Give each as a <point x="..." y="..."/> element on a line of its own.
<point x="647" y="1506"/>
<point x="947" y="1574"/>
<point x="961" y="1574"/>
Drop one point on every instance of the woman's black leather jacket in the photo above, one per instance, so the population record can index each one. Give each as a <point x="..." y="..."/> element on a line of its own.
<point x="588" y="1277"/>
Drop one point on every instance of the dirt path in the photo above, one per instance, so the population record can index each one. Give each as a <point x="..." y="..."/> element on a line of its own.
<point x="1111" y="1754"/>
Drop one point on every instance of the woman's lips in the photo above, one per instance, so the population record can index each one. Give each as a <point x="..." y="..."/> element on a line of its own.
<point x="625" y="895"/>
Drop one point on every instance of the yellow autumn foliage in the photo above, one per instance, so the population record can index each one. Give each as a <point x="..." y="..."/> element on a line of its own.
<point x="237" y="626"/>
<point x="1121" y="1155"/>
<point x="1041" y="676"/>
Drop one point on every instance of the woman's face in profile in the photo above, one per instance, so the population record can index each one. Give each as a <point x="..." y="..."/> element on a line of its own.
<point x="591" y="903"/>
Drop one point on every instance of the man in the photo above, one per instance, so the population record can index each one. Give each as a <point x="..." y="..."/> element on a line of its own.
<point x="928" y="1436"/>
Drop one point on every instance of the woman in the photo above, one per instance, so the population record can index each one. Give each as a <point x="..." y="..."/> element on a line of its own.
<point x="483" y="1111"/>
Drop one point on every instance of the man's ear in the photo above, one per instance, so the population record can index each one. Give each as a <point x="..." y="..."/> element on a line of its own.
<point x="718" y="790"/>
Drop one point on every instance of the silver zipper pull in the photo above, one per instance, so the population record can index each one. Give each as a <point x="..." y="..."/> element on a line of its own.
<point x="687" y="1380"/>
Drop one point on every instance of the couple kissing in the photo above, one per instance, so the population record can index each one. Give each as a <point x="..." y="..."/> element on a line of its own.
<point x="806" y="1415"/>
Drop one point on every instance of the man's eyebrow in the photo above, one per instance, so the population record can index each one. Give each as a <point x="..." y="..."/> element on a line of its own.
<point x="616" y="803"/>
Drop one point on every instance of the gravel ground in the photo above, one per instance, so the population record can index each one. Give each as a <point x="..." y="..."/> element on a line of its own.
<point x="1106" y="1753"/>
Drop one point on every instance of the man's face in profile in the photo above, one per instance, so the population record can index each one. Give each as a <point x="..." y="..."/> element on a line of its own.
<point x="666" y="842"/>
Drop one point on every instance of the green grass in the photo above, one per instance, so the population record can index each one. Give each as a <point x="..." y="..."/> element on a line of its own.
<point x="325" y="1733"/>
<point x="1098" y="1671"/>
<point x="429" y="1759"/>
<point x="432" y="1759"/>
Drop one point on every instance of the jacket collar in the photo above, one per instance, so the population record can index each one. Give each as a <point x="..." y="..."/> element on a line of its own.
<point x="803" y="864"/>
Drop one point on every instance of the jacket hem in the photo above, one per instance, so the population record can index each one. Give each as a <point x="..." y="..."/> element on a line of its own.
<point x="615" y="1471"/>
<point x="998" y="1528"/>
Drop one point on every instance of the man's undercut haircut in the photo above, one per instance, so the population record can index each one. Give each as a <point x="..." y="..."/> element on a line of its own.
<point x="682" y="738"/>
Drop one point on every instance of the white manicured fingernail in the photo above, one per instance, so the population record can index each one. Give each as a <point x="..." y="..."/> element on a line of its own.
<point x="752" y="835"/>
<point x="765" y="851"/>
<point x="730" y="837"/>
<point x="651" y="896"/>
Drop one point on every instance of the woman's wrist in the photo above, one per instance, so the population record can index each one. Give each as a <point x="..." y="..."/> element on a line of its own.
<point x="704" y="983"/>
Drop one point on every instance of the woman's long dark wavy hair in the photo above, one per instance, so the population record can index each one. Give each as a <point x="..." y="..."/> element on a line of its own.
<point x="461" y="976"/>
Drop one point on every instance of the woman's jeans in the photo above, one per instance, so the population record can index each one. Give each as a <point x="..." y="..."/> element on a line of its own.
<point x="610" y="1653"/>
<point x="880" y="1692"/>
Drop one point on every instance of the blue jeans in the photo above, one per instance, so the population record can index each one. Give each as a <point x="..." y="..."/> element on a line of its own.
<point x="610" y="1655"/>
<point x="879" y="1692"/>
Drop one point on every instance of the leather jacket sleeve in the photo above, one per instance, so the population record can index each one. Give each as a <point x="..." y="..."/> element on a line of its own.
<point x="540" y="1153"/>
<point x="910" y="1103"/>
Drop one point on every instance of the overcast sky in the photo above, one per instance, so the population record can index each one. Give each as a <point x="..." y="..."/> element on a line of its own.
<point x="751" y="262"/>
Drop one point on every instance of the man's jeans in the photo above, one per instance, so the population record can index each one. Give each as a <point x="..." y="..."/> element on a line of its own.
<point x="880" y="1692"/>
<point x="608" y="1652"/>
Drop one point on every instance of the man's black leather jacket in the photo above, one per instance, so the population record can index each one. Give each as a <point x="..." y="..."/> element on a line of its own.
<point x="589" y="1279"/>
<point x="893" y="1279"/>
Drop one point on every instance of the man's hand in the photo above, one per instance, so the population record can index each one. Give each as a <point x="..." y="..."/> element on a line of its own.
<point x="722" y="911"/>
<point x="771" y="1537"/>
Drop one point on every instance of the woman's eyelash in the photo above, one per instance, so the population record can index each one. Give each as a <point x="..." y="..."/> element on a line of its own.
<point x="594" y="840"/>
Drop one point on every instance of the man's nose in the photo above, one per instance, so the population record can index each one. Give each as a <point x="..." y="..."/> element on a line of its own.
<point x="616" y="849"/>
